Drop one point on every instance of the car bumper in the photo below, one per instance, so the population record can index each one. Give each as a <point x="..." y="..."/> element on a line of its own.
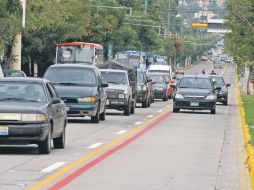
<point x="116" y="103"/>
<point x="222" y="97"/>
<point x="81" y="110"/>
<point x="25" y="133"/>
<point x="141" y="96"/>
<point x="194" y="105"/>
<point x="159" y="94"/>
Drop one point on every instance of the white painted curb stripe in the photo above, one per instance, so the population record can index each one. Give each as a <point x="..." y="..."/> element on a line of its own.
<point x="95" y="145"/>
<point x="121" y="132"/>
<point x="52" y="167"/>
<point x="150" y="116"/>
<point x="138" y="122"/>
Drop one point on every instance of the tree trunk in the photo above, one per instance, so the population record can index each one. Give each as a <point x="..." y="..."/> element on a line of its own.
<point x="248" y="81"/>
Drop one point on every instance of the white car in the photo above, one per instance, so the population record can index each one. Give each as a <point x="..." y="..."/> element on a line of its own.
<point x="160" y="69"/>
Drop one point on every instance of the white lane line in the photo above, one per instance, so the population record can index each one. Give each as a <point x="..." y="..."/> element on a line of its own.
<point x="52" y="167"/>
<point x="150" y="116"/>
<point x="159" y="111"/>
<point x="138" y="122"/>
<point x="95" y="145"/>
<point x="121" y="132"/>
<point x="168" y="106"/>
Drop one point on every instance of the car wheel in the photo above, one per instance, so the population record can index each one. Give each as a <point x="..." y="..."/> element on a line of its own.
<point x="145" y="104"/>
<point x="225" y="103"/>
<point x="149" y="103"/>
<point x="127" y="109"/>
<point x="103" y="114"/>
<point x="175" y="110"/>
<point x="165" y="97"/>
<point x="213" y="111"/>
<point x="44" y="147"/>
<point x="96" y="118"/>
<point x="133" y="108"/>
<point x="59" y="142"/>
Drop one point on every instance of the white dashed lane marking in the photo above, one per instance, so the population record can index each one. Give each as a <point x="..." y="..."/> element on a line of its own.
<point x="53" y="167"/>
<point x="95" y="145"/>
<point x="121" y="132"/>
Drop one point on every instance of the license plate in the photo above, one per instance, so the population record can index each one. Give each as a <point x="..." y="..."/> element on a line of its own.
<point x="194" y="104"/>
<point x="4" y="131"/>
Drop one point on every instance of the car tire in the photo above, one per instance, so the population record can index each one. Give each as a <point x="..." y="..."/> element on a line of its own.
<point x="127" y="109"/>
<point x="133" y="109"/>
<point x="44" y="147"/>
<point x="96" y="118"/>
<point x="165" y="97"/>
<point x="175" y="110"/>
<point x="59" y="142"/>
<point x="149" y="103"/>
<point x="145" y="104"/>
<point x="213" y="111"/>
<point x="103" y="114"/>
<point x="225" y="103"/>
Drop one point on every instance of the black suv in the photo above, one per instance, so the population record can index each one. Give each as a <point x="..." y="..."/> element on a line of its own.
<point x="195" y="93"/>
<point x="81" y="89"/>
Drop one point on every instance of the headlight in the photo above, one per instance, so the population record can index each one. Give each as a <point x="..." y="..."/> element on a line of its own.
<point x="210" y="97"/>
<point x="121" y="96"/>
<point x="179" y="96"/>
<point x="89" y="99"/>
<point x="34" y="117"/>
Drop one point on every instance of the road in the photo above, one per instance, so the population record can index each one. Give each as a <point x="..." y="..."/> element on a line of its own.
<point x="153" y="149"/>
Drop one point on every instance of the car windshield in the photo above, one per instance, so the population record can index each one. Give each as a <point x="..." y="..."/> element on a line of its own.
<point x="71" y="76"/>
<point x="157" y="78"/>
<point x="219" y="81"/>
<point x="114" y="77"/>
<point x="22" y="91"/>
<point x="195" y="82"/>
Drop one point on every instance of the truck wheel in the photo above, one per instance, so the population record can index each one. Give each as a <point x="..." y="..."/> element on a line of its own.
<point x="133" y="109"/>
<point x="127" y="109"/>
<point x="213" y="111"/>
<point x="44" y="147"/>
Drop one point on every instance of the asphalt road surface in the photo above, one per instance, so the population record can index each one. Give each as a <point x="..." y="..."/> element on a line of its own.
<point x="151" y="150"/>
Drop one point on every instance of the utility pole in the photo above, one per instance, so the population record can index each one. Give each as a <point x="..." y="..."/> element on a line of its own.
<point x="16" y="49"/>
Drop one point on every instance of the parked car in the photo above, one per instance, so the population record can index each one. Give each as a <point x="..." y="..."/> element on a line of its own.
<point x="14" y="73"/>
<point x="144" y="89"/>
<point x="195" y="93"/>
<point x="160" y="86"/>
<point x="222" y="93"/>
<point x="81" y="89"/>
<point x="31" y="112"/>
<point x="119" y="91"/>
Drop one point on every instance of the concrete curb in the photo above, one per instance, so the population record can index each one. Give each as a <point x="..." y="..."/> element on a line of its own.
<point x="247" y="137"/>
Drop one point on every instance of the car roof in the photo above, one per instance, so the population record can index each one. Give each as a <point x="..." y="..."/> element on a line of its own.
<point x="72" y="65"/>
<point x="157" y="74"/>
<point x="196" y="76"/>
<point x="114" y="70"/>
<point x="159" y="67"/>
<point x="24" y="79"/>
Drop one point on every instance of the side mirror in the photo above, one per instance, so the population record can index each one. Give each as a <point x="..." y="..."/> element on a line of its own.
<point x="217" y="88"/>
<point x="104" y="85"/>
<point x="174" y="77"/>
<point x="228" y="85"/>
<point x="56" y="101"/>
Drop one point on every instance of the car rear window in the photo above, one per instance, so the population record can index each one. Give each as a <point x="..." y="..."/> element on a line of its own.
<point x="195" y="82"/>
<point x="114" y="77"/>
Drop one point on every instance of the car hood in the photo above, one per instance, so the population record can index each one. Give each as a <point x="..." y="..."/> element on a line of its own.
<point x="121" y="88"/>
<point x="22" y="107"/>
<point x="194" y="92"/>
<point x="75" y="91"/>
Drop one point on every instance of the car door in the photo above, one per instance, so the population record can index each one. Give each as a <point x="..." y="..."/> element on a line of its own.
<point x="102" y="92"/>
<point x="56" y="110"/>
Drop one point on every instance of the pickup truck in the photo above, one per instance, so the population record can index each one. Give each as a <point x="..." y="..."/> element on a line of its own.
<point x="122" y="90"/>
